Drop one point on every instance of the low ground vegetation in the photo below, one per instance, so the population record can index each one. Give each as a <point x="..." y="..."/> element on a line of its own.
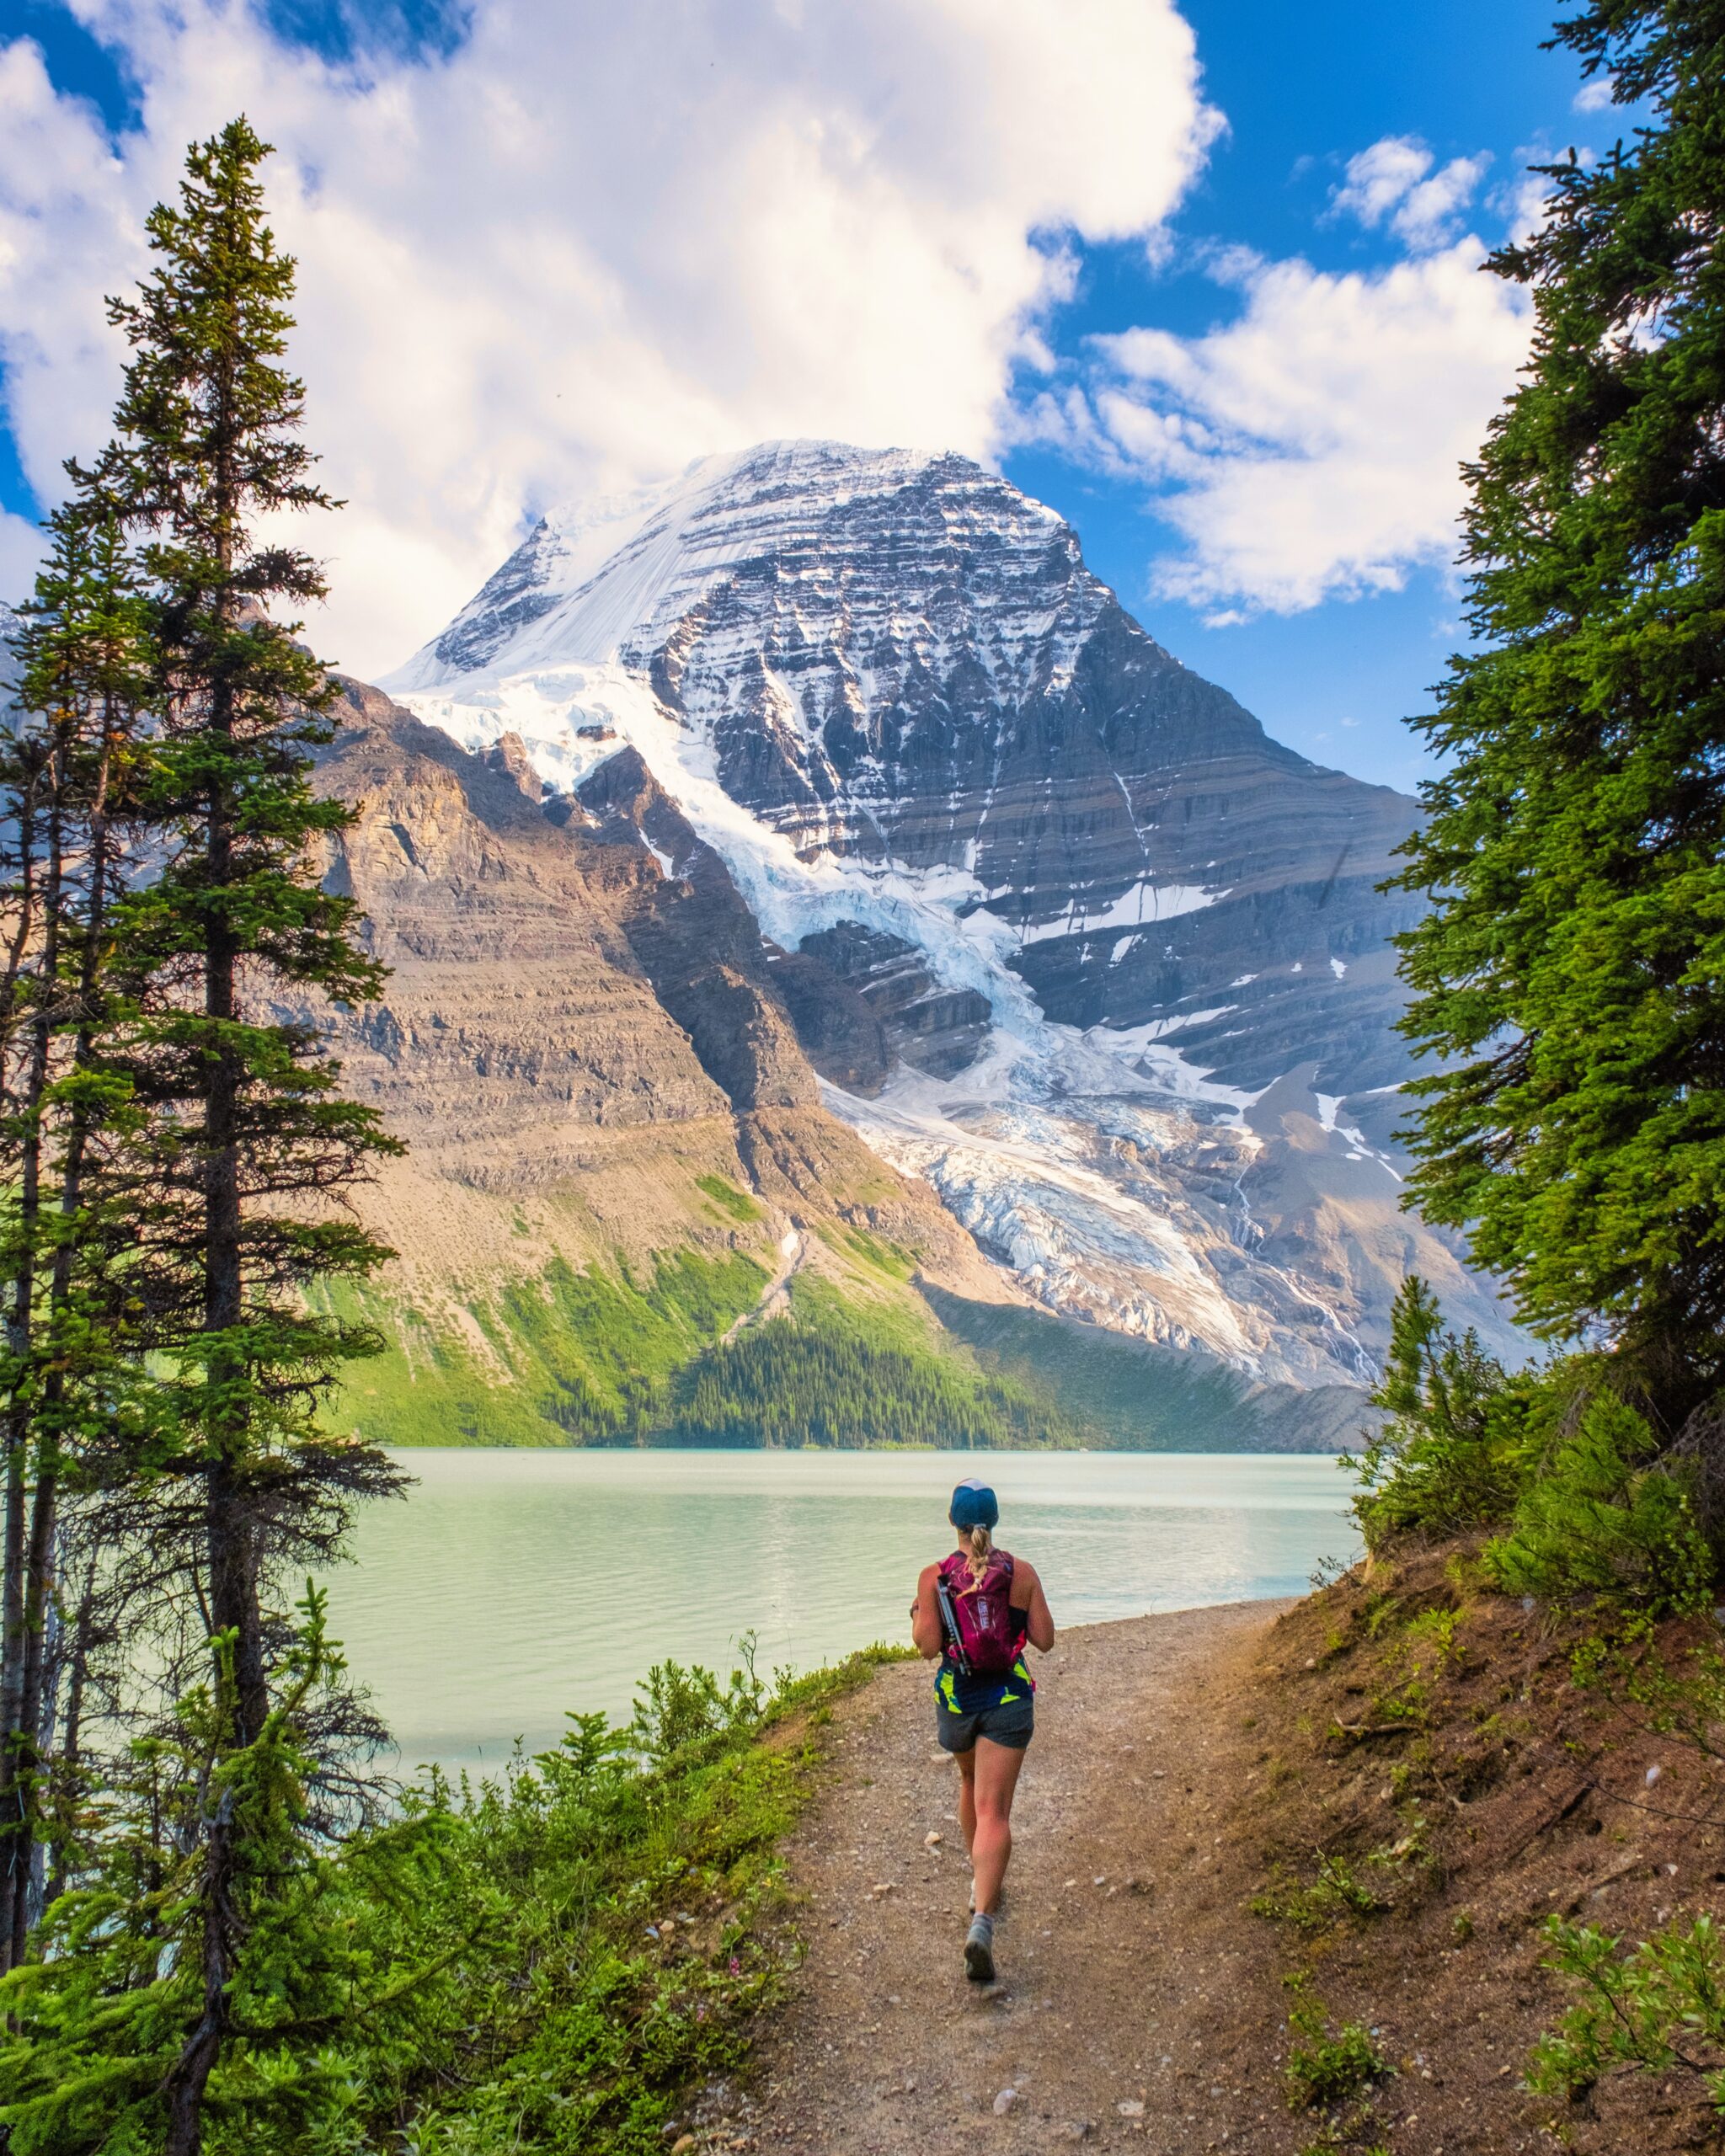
<point x="549" y="1960"/>
<point x="1495" y="1768"/>
<point x="1492" y="1831"/>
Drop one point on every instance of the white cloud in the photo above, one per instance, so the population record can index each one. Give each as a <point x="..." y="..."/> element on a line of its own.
<point x="1392" y="183"/>
<point x="1379" y="177"/>
<point x="21" y="551"/>
<point x="590" y="244"/>
<point x="1595" y="95"/>
<point x="1309" y="448"/>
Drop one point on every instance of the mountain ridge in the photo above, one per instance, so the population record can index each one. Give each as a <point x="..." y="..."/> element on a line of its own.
<point x="898" y="658"/>
<point x="1064" y="935"/>
<point x="611" y="1190"/>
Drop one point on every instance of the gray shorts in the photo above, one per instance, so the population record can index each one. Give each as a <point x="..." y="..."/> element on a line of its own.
<point x="1012" y="1725"/>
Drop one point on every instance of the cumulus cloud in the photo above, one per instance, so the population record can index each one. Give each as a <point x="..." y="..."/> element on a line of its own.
<point x="1392" y="183"/>
<point x="1309" y="448"/>
<point x="591" y="242"/>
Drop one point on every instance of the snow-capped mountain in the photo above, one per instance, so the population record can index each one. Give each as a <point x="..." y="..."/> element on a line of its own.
<point x="1128" y="990"/>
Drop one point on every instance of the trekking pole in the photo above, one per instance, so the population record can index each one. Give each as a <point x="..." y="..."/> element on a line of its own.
<point x="949" y="1625"/>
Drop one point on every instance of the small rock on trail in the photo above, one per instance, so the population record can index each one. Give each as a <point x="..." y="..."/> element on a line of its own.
<point x="1139" y="2020"/>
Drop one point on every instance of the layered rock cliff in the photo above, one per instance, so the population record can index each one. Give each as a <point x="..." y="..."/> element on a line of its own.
<point x="618" y="1155"/>
<point x="1067" y="939"/>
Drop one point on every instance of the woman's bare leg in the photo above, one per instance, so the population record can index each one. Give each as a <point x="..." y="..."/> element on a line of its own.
<point x="967" y="1796"/>
<point x="985" y="1811"/>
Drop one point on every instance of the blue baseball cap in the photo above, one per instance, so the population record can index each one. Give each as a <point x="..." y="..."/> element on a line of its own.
<point x="974" y="1504"/>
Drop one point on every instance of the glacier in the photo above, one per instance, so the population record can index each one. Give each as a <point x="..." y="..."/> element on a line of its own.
<point x="885" y="688"/>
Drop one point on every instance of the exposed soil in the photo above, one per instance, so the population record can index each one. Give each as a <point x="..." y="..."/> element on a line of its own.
<point x="1136" y="2006"/>
<point x="1430" y="1734"/>
<point x="1183" y="1765"/>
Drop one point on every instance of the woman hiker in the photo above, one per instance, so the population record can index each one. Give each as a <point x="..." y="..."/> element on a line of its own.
<point x="975" y="1610"/>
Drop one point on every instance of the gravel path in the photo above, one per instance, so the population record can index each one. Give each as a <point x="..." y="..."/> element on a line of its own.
<point x="1138" y="2005"/>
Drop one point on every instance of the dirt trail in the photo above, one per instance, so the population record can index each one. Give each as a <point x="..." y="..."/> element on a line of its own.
<point x="1138" y="2006"/>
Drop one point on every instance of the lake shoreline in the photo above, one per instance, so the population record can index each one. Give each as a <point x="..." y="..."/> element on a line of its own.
<point x="407" y="1449"/>
<point x="513" y="1587"/>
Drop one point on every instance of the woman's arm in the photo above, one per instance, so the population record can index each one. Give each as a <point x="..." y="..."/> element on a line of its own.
<point x="1038" y="1621"/>
<point x="926" y="1635"/>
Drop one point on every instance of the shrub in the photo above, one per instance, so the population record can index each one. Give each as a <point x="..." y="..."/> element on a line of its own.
<point x="1606" y="1516"/>
<point x="681" y="1706"/>
<point x="1660" y="2008"/>
<point x="1452" y="1453"/>
<point x="1336" y="1891"/>
<point x="1587" y="1500"/>
<point x="1325" y="2067"/>
<point x="549" y="1960"/>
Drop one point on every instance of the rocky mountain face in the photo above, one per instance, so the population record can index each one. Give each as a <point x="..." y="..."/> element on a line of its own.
<point x="619" y="1156"/>
<point x="902" y="661"/>
<point x="903" y="828"/>
<point x="558" y="1001"/>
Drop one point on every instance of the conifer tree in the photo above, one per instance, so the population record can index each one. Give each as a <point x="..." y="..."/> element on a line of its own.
<point x="1572" y="970"/>
<point x="71" y="772"/>
<point x="246" y="1148"/>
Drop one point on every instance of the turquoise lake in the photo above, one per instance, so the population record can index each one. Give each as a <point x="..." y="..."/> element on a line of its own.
<point x="512" y="1587"/>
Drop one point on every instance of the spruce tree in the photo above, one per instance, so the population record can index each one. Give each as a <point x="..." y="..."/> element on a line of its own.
<point x="247" y="1148"/>
<point x="1571" y="974"/>
<point x="71" y="775"/>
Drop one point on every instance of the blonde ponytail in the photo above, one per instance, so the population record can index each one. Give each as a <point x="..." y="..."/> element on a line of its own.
<point x="981" y="1549"/>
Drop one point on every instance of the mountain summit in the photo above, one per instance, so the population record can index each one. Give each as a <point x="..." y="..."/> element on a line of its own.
<point x="1061" y="929"/>
<point x="901" y="660"/>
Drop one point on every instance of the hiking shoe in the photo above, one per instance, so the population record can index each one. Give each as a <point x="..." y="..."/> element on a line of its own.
<point x="979" y="1951"/>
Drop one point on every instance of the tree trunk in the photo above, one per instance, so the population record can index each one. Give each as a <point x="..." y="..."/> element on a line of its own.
<point x="191" y="2071"/>
<point x="230" y="1523"/>
<point x="39" y="1570"/>
<point x="20" y="1695"/>
<point x="67" y="1758"/>
<point x="18" y="1317"/>
<point x="29" y="1742"/>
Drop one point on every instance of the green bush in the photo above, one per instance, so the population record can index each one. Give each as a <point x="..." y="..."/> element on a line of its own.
<point x="1336" y="1891"/>
<point x="549" y="1960"/>
<point x="1586" y="1499"/>
<point x="1659" y="2008"/>
<point x="1327" y="2064"/>
<point x="1453" y="1454"/>
<point x="677" y="1707"/>
<point x="1604" y="1516"/>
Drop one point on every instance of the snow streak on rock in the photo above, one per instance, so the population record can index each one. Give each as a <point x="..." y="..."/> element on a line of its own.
<point x="885" y="687"/>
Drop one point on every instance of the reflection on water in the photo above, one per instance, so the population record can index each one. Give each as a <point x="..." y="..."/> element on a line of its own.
<point x="512" y="1587"/>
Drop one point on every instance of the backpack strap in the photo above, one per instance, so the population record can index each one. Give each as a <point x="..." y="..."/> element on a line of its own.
<point x="955" y="1570"/>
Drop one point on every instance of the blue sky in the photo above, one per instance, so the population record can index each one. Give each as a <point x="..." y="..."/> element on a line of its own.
<point x="1264" y="547"/>
<point x="1304" y="88"/>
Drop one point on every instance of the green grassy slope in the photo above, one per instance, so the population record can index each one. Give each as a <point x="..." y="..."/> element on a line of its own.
<point x="616" y="1355"/>
<point x="564" y="1357"/>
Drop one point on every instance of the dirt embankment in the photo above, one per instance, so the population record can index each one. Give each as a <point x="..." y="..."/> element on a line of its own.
<point x="1426" y="1753"/>
<point x="1432" y="1755"/>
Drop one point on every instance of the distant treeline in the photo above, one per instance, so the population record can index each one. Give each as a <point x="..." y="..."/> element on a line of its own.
<point x="787" y="1383"/>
